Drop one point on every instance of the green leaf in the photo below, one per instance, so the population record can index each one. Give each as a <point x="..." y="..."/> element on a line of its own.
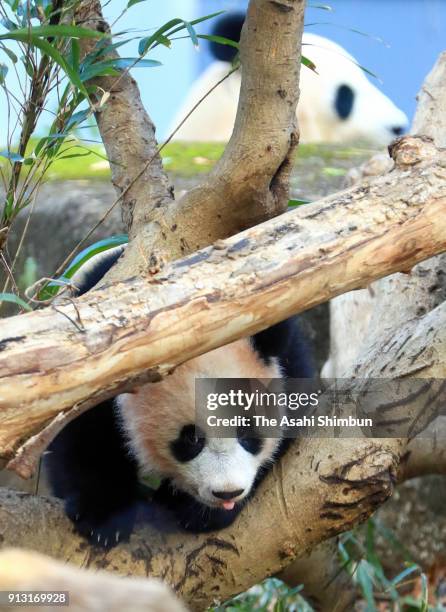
<point x="308" y="63"/>
<point x="424" y="594"/>
<point x="53" y="287"/>
<point x="366" y="584"/>
<point x="134" y="62"/>
<point x="132" y="2"/>
<point x="159" y="37"/>
<point x="8" y="206"/>
<point x="323" y="7"/>
<point x="8" y="24"/>
<point x="295" y="203"/>
<point x="53" y="31"/>
<point x="146" y="43"/>
<point x="220" y="40"/>
<point x="75" y="54"/>
<point x="3" y="72"/>
<point x="98" y="69"/>
<point x="34" y="36"/>
<point x="101" y="49"/>
<point x="192" y="33"/>
<point x="111" y="66"/>
<point x="13" y="4"/>
<point x="196" y="21"/>
<point x="72" y="155"/>
<point x="48" y="139"/>
<point x="12" y="56"/>
<point x="409" y="570"/>
<point x="369" y="72"/>
<point x="29" y="68"/>
<point x="28" y="37"/>
<point x="77" y="118"/>
<point x="14" y="299"/>
<point x="14" y="157"/>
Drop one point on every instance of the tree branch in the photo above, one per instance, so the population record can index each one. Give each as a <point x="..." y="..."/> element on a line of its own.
<point x="216" y="566"/>
<point x="250" y="182"/>
<point x="126" y="130"/>
<point x="253" y="280"/>
<point x="399" y="311"/>
<point x="87" y="591"/>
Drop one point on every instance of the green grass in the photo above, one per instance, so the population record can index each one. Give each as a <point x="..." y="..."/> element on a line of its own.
<point x="178" y="158"/>
<point x="183" y="159"/>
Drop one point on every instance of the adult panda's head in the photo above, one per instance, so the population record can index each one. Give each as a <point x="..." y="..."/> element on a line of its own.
<point x="338" y="104"/>
<point x="159" y="420"/>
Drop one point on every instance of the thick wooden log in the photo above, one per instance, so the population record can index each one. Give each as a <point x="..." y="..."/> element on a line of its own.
<point x="78" y="352"/>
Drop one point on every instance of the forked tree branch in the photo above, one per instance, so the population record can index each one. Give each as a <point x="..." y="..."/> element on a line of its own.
<point x="250" y="182"/>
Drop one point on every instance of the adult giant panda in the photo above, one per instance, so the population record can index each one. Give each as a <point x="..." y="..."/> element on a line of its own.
<point x="95" y="462"/>
<point x="338" y="104"/>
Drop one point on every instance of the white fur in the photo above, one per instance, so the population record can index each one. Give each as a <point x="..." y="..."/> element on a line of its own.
<point x="154" y="415"/>
<point x="223" y="465"/>
<point x="373" y="117"/>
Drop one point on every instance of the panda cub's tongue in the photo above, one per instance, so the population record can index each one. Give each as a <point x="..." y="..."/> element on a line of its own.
<point x="228" y="505"/>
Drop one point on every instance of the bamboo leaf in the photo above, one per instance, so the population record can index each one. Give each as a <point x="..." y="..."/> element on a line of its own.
<point x="12" y="56"/>
<point x="14" y="299"/>
<point x="14" y="157"/>
<point x="53" y="287"/>
<point x="308" y="63"/>
<point x="220" y="40"/>
<point x="54" y="31"/>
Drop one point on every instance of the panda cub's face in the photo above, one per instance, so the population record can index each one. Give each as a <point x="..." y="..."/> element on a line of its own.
<point x="219" y="472"/>
<point x="159" y="422"/>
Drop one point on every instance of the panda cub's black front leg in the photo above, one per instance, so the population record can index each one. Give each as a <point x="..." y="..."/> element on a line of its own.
<point x="190" y="514"/>
<point x="92" y="471"/>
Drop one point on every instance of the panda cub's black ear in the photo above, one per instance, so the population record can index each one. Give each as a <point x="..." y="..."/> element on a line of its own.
<point x="229" y="26"/>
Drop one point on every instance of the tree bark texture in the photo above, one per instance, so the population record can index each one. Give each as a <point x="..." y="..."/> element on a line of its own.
<point x="76" y="353"/>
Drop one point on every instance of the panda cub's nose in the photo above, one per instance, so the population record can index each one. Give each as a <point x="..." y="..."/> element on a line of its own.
<point x="227" y="494"/>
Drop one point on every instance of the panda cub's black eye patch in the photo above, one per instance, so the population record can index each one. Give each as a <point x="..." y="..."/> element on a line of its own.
<point x="189" y="444"/>
<point x="249" y="440"/>
<point x="345" y="97"/>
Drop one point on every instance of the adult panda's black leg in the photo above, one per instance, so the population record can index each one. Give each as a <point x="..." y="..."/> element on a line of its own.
<point x="89" y="467"/>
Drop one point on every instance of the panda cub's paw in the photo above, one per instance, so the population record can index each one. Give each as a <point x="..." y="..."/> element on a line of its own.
<point x="102" y="525"/>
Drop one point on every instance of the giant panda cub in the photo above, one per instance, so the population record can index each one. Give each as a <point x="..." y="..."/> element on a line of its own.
<point x="337" y="104"/>
<point x="95" y="462"/>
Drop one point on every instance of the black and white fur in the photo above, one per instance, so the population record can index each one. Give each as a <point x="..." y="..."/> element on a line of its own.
<point x="94" y="464"/>
<point x="337" y="104"/>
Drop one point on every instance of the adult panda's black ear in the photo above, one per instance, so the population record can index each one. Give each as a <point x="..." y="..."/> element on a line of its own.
<point x="228" y="26"/>
<point x="344" y="100"/>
